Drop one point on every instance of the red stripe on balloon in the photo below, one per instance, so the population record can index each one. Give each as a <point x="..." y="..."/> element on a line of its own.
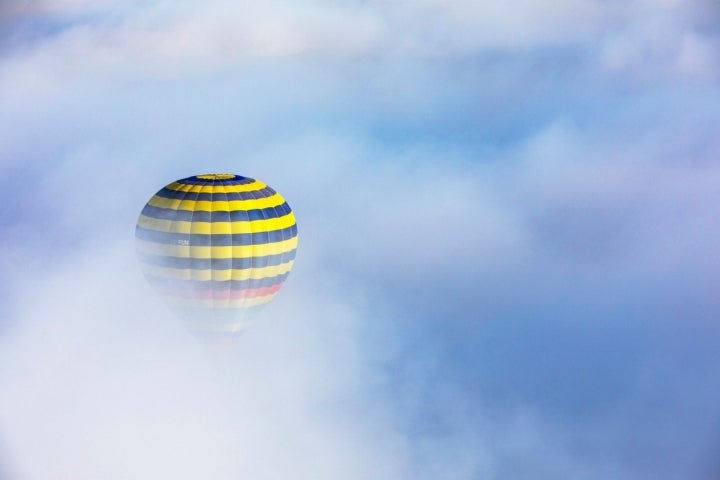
<point x="228" y="294"/>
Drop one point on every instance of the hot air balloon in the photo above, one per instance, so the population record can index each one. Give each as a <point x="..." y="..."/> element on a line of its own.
<point x="217" y="247"/>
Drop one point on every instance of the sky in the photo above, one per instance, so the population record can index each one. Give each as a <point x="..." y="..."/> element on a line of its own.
<point x="508" y="264"/>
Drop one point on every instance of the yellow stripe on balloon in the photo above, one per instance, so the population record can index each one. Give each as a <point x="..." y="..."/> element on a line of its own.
<point x="217" y="205"/>
<point x="224" y="228"/>
<point x="217" y="275"/>
<point x="220" y="304"/>
<point x="220" y="188"/>
<point x="222" y="252"/>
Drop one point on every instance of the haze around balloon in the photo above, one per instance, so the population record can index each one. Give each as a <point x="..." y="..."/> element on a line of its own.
<point x="509" y="262"/>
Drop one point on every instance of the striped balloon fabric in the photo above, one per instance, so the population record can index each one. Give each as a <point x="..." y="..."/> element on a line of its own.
<point x="217" y="247"/>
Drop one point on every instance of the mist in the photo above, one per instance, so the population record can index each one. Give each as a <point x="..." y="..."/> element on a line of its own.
<point x="507" y="261"/>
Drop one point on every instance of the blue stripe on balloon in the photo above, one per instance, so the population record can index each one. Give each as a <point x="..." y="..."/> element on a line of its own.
<point x="215" y="240"/>
<point x="218" y="196"/>
<point x="236" y="180"/>
<point x="216" y="215"/>
<point x="216" y="263"/>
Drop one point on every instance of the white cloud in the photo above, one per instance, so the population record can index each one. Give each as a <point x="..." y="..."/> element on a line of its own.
<point x="629" y="205"/>
<point x="111" y="108"/>
<point x="153" y="40"/>
<point x="158" y="42"/>
<point x="441" y="29"/>
<point x="661" y="40"/>
<point x="100" y="382"/>
<point x="698" y="55"/>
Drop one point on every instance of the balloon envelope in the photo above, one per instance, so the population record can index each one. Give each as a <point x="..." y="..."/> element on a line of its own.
<point x="217" y="247"/>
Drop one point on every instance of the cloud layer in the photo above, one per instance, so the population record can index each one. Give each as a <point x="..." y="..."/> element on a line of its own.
<point x="508" y="221"/>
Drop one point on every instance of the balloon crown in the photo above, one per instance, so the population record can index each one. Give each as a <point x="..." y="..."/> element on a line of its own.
<point x="216" y="176"/>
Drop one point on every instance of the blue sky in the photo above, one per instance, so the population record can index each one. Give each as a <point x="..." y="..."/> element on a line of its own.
<point x="508" y="264"/>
